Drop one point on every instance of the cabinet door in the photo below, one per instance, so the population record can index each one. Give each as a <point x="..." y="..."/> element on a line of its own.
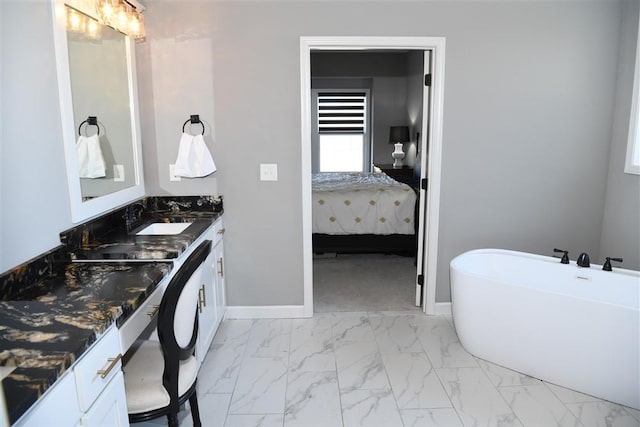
<point x="110" y="408"/>
<point x="207" y="313"/>
<point x="219" y="281"/>
<point x="58" y="406"/>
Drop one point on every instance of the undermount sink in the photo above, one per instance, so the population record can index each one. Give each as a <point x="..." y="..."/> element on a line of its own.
<point x="163" y="228"/>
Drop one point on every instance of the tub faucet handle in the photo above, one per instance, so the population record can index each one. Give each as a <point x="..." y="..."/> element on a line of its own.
<point x="565" y="255"/>
<point x="583" y="260"/>
<point x="607" y="263"/>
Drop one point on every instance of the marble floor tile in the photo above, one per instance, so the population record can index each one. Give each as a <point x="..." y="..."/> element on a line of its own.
<point x="421" y="319"/>
<point x="360" y="366"/>
<point x="444" y="417"/>
<point x="395" y="334"/>
<point x="269" y="338"/>
<point x="261" y="386"/>
<point x="313" y="399"/>
<point x="570" y="396"/>
<point x="441" y="344"/>
<point x="602" y="414"/>
<point x="413" y="381"/>
<point x="213" y="410"/>
<point x="233" y="330"/>
<point x="312" y="345"/>
<point x="536" y="405"/>
<point x="370" y="408"/>
<point x="265" y="420"/>
<point x="352" y="328"/>
<point x="501" y="376"/>
<point x="475" y="399"/>
<point x="634" y="413"/>
<point x="219" y="371"/>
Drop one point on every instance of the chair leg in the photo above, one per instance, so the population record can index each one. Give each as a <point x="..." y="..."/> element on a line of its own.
<point x="195" y="413"/>
<point x="173" y="420"/>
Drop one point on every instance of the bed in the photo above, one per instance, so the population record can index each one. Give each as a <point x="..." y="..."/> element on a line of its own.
<point x="362" y="213"/>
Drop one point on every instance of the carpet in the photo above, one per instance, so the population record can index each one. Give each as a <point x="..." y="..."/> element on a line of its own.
<point x="363" y="282"/>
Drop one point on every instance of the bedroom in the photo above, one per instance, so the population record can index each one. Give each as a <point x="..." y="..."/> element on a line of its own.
<point x="364" y="239"/>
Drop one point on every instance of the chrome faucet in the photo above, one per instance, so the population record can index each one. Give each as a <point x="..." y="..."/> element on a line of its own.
<point x="583" y="260"/>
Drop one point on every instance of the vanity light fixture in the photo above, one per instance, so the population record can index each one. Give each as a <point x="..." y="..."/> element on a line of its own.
<point x="123" y="15"/>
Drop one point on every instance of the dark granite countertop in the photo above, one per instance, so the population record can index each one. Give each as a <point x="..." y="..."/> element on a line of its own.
<point x="50" y="324"/>
<point x="120" y="245"/>
<point x="52" y="308"/>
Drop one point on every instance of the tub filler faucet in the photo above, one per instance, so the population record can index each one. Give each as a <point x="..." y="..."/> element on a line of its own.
<point x="583" y="260"/>
<point x="607" y="263"/>
<point x="565" y="255"/>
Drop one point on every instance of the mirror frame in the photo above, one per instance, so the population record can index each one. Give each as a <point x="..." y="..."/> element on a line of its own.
<point x="84" y="210"/>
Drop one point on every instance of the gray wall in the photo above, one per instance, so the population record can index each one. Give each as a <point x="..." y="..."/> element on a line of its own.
<point x="526" y="132"/>
<point x="621" y="224"/>
<point x="35" y="199"/>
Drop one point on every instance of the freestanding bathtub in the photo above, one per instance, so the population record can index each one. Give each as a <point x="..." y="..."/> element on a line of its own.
<point x="575" y="327"/>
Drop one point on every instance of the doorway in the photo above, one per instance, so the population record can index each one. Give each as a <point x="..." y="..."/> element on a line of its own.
<point x="430" y="153"/>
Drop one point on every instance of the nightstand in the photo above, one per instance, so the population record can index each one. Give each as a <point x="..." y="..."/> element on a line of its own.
<point x="404" y="174"/>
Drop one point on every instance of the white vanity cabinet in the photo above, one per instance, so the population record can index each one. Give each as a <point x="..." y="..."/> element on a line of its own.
<point x="89" y="395"/>
<point x="211" y="302"/>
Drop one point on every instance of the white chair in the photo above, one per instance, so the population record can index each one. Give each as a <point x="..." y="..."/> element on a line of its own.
<point x="161" y="375"/>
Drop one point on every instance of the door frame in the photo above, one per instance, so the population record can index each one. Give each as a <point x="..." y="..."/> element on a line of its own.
<point x="434" y="120"/>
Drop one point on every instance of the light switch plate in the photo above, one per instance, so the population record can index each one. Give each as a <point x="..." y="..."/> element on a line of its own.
<point x="172" y="176"/>
<point x="118" y="173"/>
<point x="268" y="171"/>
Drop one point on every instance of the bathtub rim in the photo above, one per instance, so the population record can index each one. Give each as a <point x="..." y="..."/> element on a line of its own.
<point x="454" y="265"/>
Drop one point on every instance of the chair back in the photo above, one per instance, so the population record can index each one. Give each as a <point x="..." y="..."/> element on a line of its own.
<point x="177" y="317"/>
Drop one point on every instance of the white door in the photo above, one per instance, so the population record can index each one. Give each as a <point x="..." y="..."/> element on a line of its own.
<point x="424" y="178"/>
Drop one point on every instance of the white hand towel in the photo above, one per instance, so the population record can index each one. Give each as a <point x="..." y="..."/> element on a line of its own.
<point x="90" y="161"/>
<point x="194" y="159"/>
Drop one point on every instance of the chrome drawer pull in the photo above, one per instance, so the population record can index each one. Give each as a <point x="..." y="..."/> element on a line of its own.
<point x="113" y="362"/>
<point x="220" y="268"/>
<point x="154" y="311"/>
<point x="200" y="298"/>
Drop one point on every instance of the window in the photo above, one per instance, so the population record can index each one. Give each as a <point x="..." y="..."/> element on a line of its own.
<point x="632" y="163"/>
<point x="342" y="136"/>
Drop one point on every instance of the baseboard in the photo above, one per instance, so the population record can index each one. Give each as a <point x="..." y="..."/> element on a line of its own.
<point x="443" y="309"/>
<point x="264" y="311"/>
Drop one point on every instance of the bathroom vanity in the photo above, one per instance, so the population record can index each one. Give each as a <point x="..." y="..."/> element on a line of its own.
<point x="68" y="317"/>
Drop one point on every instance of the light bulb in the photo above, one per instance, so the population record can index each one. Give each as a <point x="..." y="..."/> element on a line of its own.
<point x="74" y="21"/>
<point x="94" y="31"/>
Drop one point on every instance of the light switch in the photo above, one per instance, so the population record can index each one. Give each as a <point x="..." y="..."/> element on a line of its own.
<point x="172" y="176"/>
<point x="118" y="173"/>
<point x="268" y="171"/>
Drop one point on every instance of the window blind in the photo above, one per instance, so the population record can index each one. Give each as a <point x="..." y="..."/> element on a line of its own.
<point x="341" y="112"/>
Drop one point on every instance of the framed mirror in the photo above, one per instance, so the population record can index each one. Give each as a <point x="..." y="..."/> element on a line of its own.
<point x="99" y="110"/>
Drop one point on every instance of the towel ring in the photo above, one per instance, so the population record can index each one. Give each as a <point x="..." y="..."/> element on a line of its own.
<point x="91" y="121"/>
<point x="195" y="118"/>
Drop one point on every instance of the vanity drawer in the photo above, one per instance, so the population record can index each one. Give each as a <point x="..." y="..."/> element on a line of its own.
<point x="96" y="368"/>
<point x="140" y="319"/>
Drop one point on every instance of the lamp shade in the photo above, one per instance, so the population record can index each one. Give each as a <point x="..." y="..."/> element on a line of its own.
<point x="398" y="134"/>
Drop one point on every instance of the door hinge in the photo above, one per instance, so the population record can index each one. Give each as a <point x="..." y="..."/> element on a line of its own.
<point x="427" y="79"/>
<point x="420" y="279"/>
<point x="423" y="184"/>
